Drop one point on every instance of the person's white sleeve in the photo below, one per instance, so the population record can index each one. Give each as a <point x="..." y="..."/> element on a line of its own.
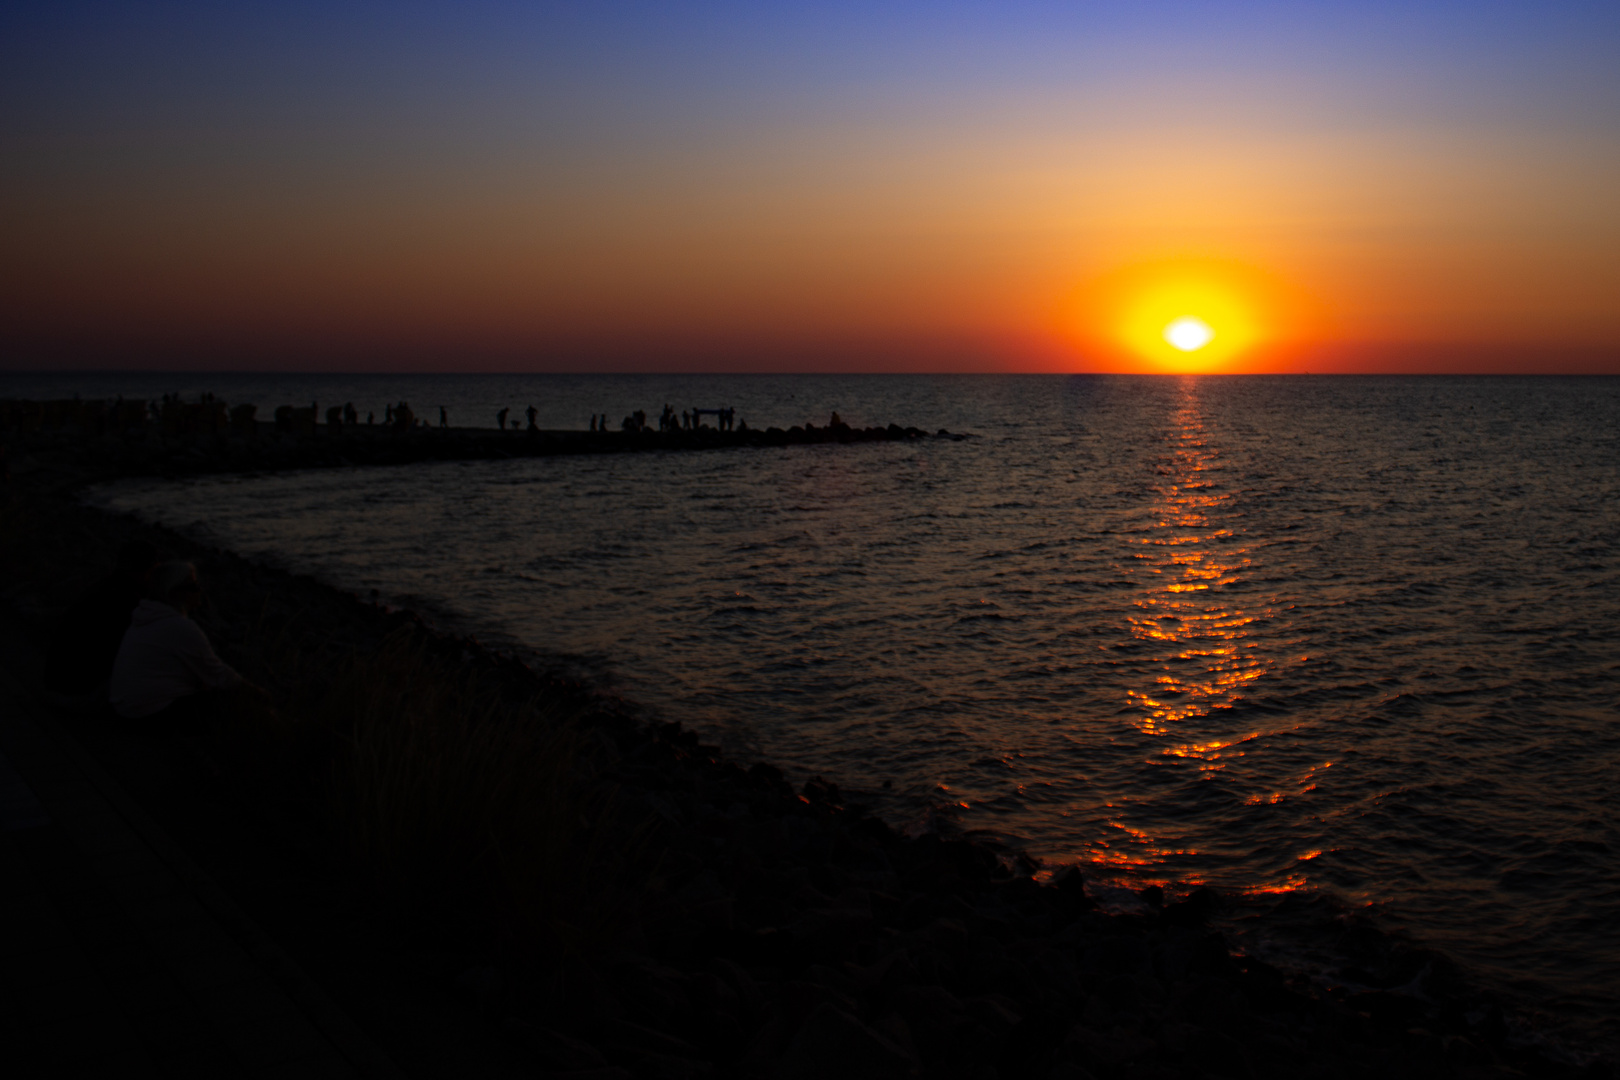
<point x="199" y="657"/>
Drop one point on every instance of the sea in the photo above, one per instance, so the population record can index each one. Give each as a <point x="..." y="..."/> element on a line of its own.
<point x="1339" y="646"/>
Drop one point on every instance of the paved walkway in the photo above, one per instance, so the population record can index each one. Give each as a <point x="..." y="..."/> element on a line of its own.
<point x="120" y="957"/>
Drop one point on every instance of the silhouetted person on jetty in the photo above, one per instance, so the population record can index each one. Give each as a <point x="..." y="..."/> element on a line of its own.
<point x="166" y="673"/>
<point x="531" y="412"/>
<point x="388" y="416"/>
<point x="500" y="419"/>
<point x="79" y="655"/>
<point x="351" y="415"/>
<point x="444" y="417"/>
<point x="371" y="418"/>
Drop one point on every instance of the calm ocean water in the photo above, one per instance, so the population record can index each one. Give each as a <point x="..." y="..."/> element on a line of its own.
<point x="1330" y="643"/>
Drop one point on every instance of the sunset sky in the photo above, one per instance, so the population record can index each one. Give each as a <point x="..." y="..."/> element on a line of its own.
<point x="1368" y="186"/>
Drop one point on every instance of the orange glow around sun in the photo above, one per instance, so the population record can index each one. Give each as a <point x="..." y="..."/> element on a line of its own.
<point x="1165" y="320"/>
<point x="1191" y="316"/>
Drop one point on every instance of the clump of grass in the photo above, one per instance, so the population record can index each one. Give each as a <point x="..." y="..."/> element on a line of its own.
<point x="451" y="801"/>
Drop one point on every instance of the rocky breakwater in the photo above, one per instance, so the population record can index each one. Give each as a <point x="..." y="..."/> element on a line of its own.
<point x="129" y="439"/>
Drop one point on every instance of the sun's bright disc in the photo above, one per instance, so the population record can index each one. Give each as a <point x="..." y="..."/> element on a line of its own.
<point x="1190" y="316"/>
<point x="1189" y="334"/>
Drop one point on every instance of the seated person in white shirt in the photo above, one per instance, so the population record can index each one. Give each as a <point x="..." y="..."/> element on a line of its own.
<point x="165" y="666"/>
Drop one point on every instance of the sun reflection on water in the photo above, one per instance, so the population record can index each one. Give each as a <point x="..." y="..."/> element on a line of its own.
<point x="1204" y="653"/>
<point x="1209" y="656"/>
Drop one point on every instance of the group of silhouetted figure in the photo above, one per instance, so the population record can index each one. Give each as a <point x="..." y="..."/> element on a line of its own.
<point x="670" y="420"/>
<point x="636" y="421"/>
<point x="500" y="418"/>
<point x="129" y="645"/>
<point x="341" y="416"/>
<point x="169" y="401"/>
<point x="179" y="416"/>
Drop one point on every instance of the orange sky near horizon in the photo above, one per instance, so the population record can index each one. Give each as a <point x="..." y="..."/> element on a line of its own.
<point x="1018" y="230"/>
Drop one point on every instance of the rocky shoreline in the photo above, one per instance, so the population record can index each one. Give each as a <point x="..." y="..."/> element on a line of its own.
<point x="776" y="931"/>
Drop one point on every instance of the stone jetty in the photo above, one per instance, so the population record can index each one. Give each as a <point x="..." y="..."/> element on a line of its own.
<point x="173" y="437"/>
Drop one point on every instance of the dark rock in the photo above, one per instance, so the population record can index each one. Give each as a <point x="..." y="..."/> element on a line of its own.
<point x="1070" y="886"/>
<point x="1107" y="1053"/>
<point x="972" y="861"/>
<point x="1068" y="1070"/>
<point x="892" y="971"/>
<point x="1265" y="987"/>
<point x="1122" y="994"/>
<point x="1116" y="955"/>
<point x="704" y="902"/>
<point x="1186" y="953"/>
<point x="1219" y="1055"/>
<point x="1212" y="1002"/>
<point x="557" y="1051"/>
<point x="933" y="1014"/>
<point x="1194" y="910"/>
<point x="1463" y="1052"/>
<point x="481" y="985"/>
<point x="1384" y="1008"/>
<point x="994" y="1013"/>
<point x="833" y="1043"/>
<point x="893" y="1027"/>
<point x="818" y="790"/>
<point x="622" y="1036"/>
<point x="834" y="980"/>
<point x="671" y="1067"/>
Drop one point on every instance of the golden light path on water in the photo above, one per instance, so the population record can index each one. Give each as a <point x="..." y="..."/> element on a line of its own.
<point x="1180" y="611"/>
<point x="1206" y="649"/>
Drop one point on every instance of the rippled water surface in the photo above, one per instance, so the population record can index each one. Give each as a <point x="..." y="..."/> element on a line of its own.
<point x="1294" y="636"/>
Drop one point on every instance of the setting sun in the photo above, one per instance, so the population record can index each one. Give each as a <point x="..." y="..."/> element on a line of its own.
<point x="1155" y="323"/>
<point x="1192" y="315"/>
<point x="1189" y="334"/>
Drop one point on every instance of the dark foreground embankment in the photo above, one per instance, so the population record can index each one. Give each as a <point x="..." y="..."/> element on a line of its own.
<point x="496" y="871"/>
